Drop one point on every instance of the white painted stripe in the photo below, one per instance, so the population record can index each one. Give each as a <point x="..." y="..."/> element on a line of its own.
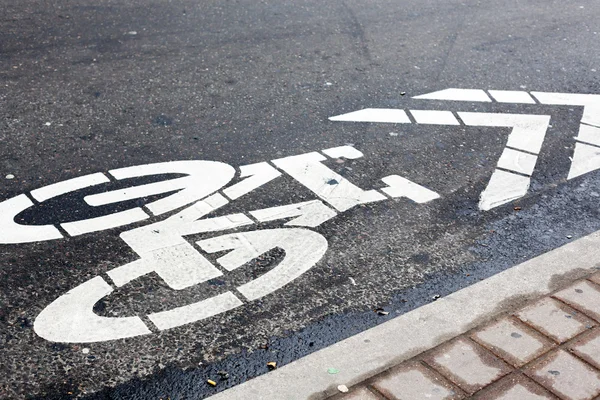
<point x="517" y="161"/>
<point x="502" y="188"/>
<point x="586" y="159"/>
<point x="434" y="117"/>
<point x="136" y="192"/>
<point x="348" y="152"/>
<point x="589" y="134"/>
<point x="12" y="232"/>
<point x="204" y="178"/>
<point x="528" y="130"/>
<point x="105" y="222"/>
<point x="196" y="311"/>
<point x="70" y="185"/>
<point x="377" y="349"/>
<point x="511" y="96"/>
<point x="456" y="94"/>
<point x="256" y="175"/>
<point x="590" y="102"/>
<point x="303" y="249"/>
<point x="325" y="183"/>
<point x="387" y="115"/>
<point x="402" y="187"/>
<point x="71" y="317"/>
<point x="309" y="213"/>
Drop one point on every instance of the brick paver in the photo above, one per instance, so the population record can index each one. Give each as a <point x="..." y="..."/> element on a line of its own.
<point x="566" y="376"/>
<point x="467" y="364"/>
<point x="587" y="347"/>
<point x="415" y="381"/>
<point x="584" y="296"/>
<point x="555" y="319"/>
<point x="549" y="349"/>
<point x="512" y="341"/>
<point x="515" y="387"/>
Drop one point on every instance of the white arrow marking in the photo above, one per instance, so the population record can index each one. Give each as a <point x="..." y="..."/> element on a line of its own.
<point x="387" y="115"/>
<point x="456" y="94"/>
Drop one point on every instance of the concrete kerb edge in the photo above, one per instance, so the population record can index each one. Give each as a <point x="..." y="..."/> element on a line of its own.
<point x="377" y="349"/>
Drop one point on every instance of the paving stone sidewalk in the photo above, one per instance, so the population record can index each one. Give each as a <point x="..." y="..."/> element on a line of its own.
<point x="550" y="349"/>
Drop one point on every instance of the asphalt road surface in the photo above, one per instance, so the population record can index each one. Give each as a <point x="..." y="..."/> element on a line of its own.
<point x="115" y="297"/>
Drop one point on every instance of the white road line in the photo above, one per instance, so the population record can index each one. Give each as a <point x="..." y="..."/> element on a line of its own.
<point x="589" y="134"/>
<point x="70" y="185"/>
<point x="434" y="117"/>
<point x="303" y="249"/>
<point x="515" y="160"/>
<point x="104" y="222"/>
<point x="402" y="187"/>
<point x="12" y="232"/>
<point x="511" y="96"/>
<point x="386" y="115"/>
<point x="325" y="183"/>
<point x="255" y="176"/>
<point x="309" y="213"/>
<point x="204" y="178"/>
<point x="368" y="353"/>
<point x="502" y="188"/>
<point x="71" y="317"/>
<point x="586" y="159"/>
<point x="456" y="94"/>
<point x="528" y="130"/>
<point x="196" y="311"/>
<point x="590" y="103"/>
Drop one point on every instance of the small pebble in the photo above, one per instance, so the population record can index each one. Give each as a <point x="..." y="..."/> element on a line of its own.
<point x="48" y="123"/>
<point x="343" y="388"/>
<point x="85" y="350"/>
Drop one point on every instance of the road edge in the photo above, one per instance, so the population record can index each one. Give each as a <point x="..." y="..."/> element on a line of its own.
<point x="363" y="355"/>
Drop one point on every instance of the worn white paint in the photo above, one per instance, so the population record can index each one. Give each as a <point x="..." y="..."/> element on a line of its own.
<point x="386" y="115"/>
<point x="528" y="131"/>
<point x="13" y="232"/>
<point x="309" y="213"/>
<point x="517" y="161"/>
<point x="70" y="185"/>
<point x="255" y="176"/>
<point x="402" y="187"/>
<point x="71" y="317"/>
<point x="511" y="96"/>
<point x="195" y="312"/>
<point x="204" y="178"/>
<point x="434" y="117"/>
<point x="502" y="188"/>
<point x="456" y="94"/>
<point x="589" y="134"/>
<point x="104" y="222"/>
<point x="303" y="249"/>
<point x="325" y="183"/>
<point x="163" y="249"/>
<point x="348" y="152"/>
<point x="586" y="159"/>
<point x="590" y="103"/>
